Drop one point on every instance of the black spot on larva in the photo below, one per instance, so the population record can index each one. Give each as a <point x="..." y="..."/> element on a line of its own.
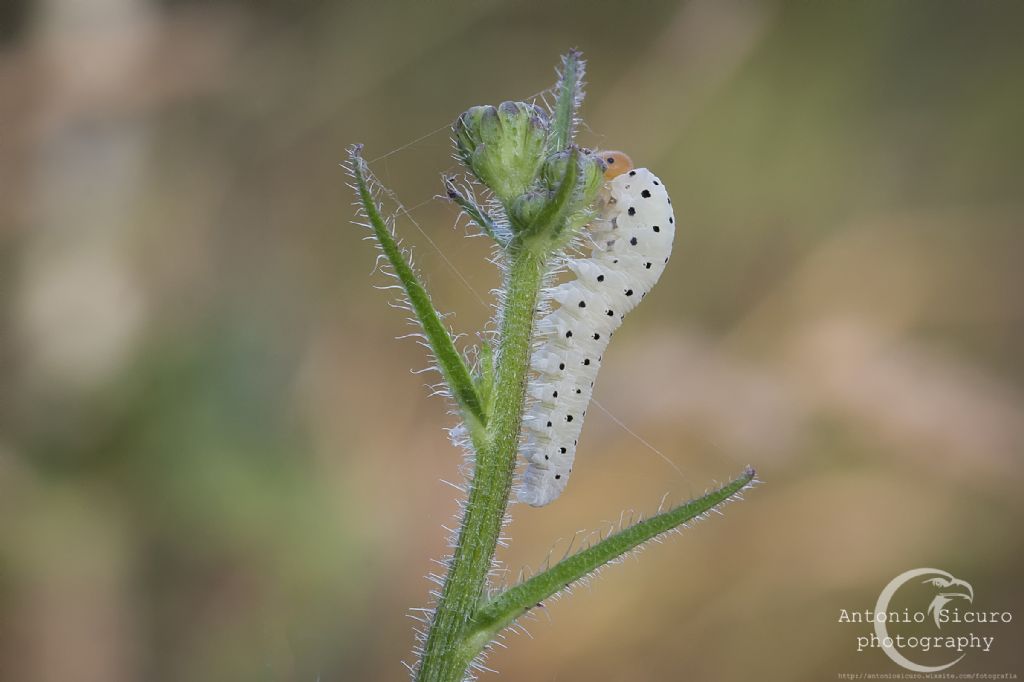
<point x="568" y="334"/>
<point x="562" y="450"/>
<point x="596" y="337"/>
<point x="578" y="391"/>
<point x="643" y="294"/>
<point x="555" y="394"/>
<point x="583" y="304"/>
<point x="629" y="292"/>
<point x="586" y="361"/>
<point x="546" y="457"/>
<point x="615" y="261"/>
<point x="576" y="442"/>
<point x="656" y="182"/>
<point x="670" y="200"/>
<point x="647" y="266"/>
<point x="656" y="228"/>
<point x="671" y="219"/>
<point x="568" y="417"/>
<point x="591" y="384"/>
<point x="666" y="259"/>
<point x="558" y="476"/>
<point x="549" y="425"/>
<point x="632" y="173"/>
<point x="631" y="211"/>
<point x="633" y="241"/>
<point x="610" y="313"/>
<point x="600" y="278"/>
<point x="561" y="365"/>
<point x="646" y="194"/>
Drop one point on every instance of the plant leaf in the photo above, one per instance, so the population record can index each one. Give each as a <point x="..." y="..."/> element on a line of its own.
<point x="477" y="214"/>
<point x="501" y="610"/>
<point x="569" y="97"/>
<point x="453" y="367"/>
<point x="550" y="221"/>
<point x="484" y="376"/>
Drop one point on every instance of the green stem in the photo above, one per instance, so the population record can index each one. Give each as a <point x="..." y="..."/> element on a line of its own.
<point x="444" y="657"/>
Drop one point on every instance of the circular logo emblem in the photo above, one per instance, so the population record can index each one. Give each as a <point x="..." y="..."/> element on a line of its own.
<point x="949" y="589"/>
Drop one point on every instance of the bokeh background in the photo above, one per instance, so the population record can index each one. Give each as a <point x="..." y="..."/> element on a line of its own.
<point x="215" y="463"/>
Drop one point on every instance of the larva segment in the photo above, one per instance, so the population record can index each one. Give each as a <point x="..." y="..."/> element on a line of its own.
<point x="631" y="244"/>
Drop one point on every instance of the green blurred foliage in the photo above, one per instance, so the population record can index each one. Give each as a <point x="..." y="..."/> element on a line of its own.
<point x="216" y="465"/>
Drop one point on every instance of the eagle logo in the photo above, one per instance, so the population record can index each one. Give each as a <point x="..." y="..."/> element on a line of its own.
<point x="949" y="588"/>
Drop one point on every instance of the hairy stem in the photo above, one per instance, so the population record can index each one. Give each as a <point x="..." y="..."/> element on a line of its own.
<point x="444" y="658"/>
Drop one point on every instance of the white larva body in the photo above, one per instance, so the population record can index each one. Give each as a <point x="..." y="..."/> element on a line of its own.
<point x="632" y="240"/>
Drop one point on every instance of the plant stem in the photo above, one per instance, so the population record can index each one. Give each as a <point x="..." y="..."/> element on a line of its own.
<point x="444" y="659"/>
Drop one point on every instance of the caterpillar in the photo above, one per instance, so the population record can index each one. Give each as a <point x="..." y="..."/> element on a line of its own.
<point x="632" y="241"/>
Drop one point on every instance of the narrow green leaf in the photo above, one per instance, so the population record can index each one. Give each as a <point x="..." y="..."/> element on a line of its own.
<point x="454" y="369"/>
<point x="484" y="376"/>
<point x="550" y="221"/>
<point x="477" y="214"/>
<point x="509" y="605"/>
<point x="569" y="97"/>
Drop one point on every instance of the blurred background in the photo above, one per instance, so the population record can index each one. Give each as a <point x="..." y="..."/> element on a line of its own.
<point x="215" y="463"/>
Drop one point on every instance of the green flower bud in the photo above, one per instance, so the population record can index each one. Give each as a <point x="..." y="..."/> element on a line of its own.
<point x="526" y="207"/>
<point x="503" y="146"/>
<point x="470" y="127"/>
<point x="593" y="177"/>
<point x="591" y="174"/>
<point x="554" y="169"/>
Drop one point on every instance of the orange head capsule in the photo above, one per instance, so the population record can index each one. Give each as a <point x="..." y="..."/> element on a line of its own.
<point x="615" y="163"/>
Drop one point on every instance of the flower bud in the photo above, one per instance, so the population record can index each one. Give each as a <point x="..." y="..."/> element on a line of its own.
<point x="503" y="146"/>
<point x="591" y="174"/>
<point x="526" y="207"/>
<point x="470" y="128"/>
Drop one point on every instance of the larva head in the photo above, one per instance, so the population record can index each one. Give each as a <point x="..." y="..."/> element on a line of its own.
<point x="615" y="163"/>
